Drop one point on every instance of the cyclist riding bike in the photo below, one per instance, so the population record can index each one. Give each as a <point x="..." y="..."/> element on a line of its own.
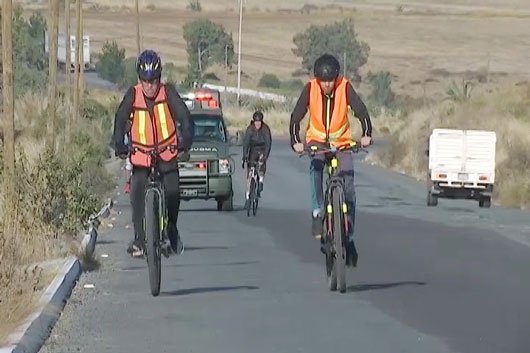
<point x="328" y="97"/>
<point x="257" y="144"/>
<point x="154" y="116"/>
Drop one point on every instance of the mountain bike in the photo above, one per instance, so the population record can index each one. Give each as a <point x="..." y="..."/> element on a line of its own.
<point x="253" y="186"/>
<point x="155" y="219"/>
<point x="336" y="225"/>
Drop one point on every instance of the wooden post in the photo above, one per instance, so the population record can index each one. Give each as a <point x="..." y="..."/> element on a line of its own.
<point x="82" y="58"/>
<point x="138" y="41"/>
<point x="68" y="68"/>
<point x="77" y="60"/>
<point x="239" y="53"/>
<point x="53" y="12"/>
<point x="9" y="101"/>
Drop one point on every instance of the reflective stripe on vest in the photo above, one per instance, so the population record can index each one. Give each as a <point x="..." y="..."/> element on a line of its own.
<point x="142" y="115"/>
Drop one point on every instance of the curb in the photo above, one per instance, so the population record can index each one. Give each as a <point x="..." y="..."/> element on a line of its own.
<point x="30" y="336"/>
<point x="33" y="332"/>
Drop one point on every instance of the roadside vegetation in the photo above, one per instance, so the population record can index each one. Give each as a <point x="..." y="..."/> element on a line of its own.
<point x="55" y="189"/>
<point x="505" y="110"/>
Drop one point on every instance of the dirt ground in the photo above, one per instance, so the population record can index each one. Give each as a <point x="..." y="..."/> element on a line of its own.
<point x="424" y="44"/>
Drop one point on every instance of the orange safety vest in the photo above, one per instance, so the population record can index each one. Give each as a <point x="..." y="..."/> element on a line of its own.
<point x="150" y="131"/>
<point x="336" y="132"/>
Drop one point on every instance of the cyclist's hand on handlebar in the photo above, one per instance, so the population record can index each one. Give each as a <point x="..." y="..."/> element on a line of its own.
<point x="366" y="141"/>
<point x="183" y="156"/>
<point x="298" y="147"/>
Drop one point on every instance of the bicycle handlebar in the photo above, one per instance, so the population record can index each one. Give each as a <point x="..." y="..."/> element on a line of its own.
<point x="314" y="150"/>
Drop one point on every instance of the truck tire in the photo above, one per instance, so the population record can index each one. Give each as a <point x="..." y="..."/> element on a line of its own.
<point x="485" y="202"/>
<point x="432" y="200"/>
<point x="226" y="204"/>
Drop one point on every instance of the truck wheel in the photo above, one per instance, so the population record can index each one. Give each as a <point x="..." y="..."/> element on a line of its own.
<point x="432" y="200"/>
<point x="485" y="202"/>
<point x="226" y="204"/>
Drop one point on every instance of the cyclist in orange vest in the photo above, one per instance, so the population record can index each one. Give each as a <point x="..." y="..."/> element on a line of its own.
<point x="154" y="116"/>
<point x="328" y="97"/>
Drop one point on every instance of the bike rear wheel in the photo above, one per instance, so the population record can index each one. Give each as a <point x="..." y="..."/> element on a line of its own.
<point x="338" y="240"/>
<point x="152" y="237"/>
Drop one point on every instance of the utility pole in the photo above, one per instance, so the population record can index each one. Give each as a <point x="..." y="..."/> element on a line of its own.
<point x="345" y="68"/>
<point x="239" y="53"/>
<point x="138" y="41"/>
<point x="53" y="10"/>
<point x="9" y="102"/>
<point x="81" y="58"/>
<point x="226" y="65"/>
<point x="199" y="56"/>
<point x="68" y="67"/>
<point x="77" y="60"/>
<point x="68" y="47"/>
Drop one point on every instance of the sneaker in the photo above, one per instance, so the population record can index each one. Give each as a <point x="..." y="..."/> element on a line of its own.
<point x="127" y="188"/>
<point x="165" y="247"/>
<point x="176" y="242"/>
<point x="136" y="249"/>
<point x="317" y="227"/>
<point x="351" y="254"/>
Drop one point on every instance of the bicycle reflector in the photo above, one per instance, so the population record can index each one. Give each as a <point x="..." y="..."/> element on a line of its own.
<point x="335" y="163"/>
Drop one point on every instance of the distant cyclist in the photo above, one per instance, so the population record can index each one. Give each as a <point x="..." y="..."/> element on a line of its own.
<point x="257" y="144"/>
<point x="328" y="97"/>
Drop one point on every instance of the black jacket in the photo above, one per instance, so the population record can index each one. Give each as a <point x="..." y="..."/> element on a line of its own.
<point x="259" y="140"/>
<point x="177" y="107"/>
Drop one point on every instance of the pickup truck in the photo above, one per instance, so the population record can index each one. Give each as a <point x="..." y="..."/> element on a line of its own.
<point x="208" y="173"/>
<point x="461" y="165"/>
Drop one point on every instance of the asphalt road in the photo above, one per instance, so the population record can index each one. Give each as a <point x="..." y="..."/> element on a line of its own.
<point x="446" y="279"/>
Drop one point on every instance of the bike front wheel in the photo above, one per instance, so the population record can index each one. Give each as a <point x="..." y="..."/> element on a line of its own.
<point x="251" y="196"/>
<point x="152" y="236"/>
<point x="338" y="239"/>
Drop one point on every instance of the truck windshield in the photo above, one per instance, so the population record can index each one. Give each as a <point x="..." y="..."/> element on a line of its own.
<point x="208" y="128"/>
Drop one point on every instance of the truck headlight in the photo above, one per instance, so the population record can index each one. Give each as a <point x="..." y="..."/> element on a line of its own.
<point x="224" y="166"/>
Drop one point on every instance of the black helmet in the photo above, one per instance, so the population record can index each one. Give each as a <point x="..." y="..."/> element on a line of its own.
<point x="327" y="68"/>
<point x="149" y="66"/>
<point x="257" y="116"/>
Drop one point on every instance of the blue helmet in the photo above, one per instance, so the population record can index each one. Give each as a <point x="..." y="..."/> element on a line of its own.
<point x="149" y="66"/>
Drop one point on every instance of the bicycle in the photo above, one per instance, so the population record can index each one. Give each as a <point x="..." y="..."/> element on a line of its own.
<point x="155" y="219"/>
<point x="336" y="225"/>
<point x="253" y="186"/>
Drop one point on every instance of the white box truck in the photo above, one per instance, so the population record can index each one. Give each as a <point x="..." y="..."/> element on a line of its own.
<point x="61" y="50"/>
<point x="461" y="165"/>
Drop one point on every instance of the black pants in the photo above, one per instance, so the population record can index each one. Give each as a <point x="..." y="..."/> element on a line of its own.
<point x="139" y="181"/>
<point x="253" y="158"/>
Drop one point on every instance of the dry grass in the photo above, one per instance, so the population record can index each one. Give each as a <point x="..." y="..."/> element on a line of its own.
<point x="414" y="45"/>
<point x="29" y="232"/>
<point x="505" y="111"/>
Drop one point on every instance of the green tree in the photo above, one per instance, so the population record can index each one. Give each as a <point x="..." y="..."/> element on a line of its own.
<point x="110" y="65"/>
<point x="382" y="94"/>
<point x="211" y="42"/>
<point x="30" y="61"/>
<point x="130" y="77"/>
<point x="269" y="81"/>
<point x="338" y="39"/>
